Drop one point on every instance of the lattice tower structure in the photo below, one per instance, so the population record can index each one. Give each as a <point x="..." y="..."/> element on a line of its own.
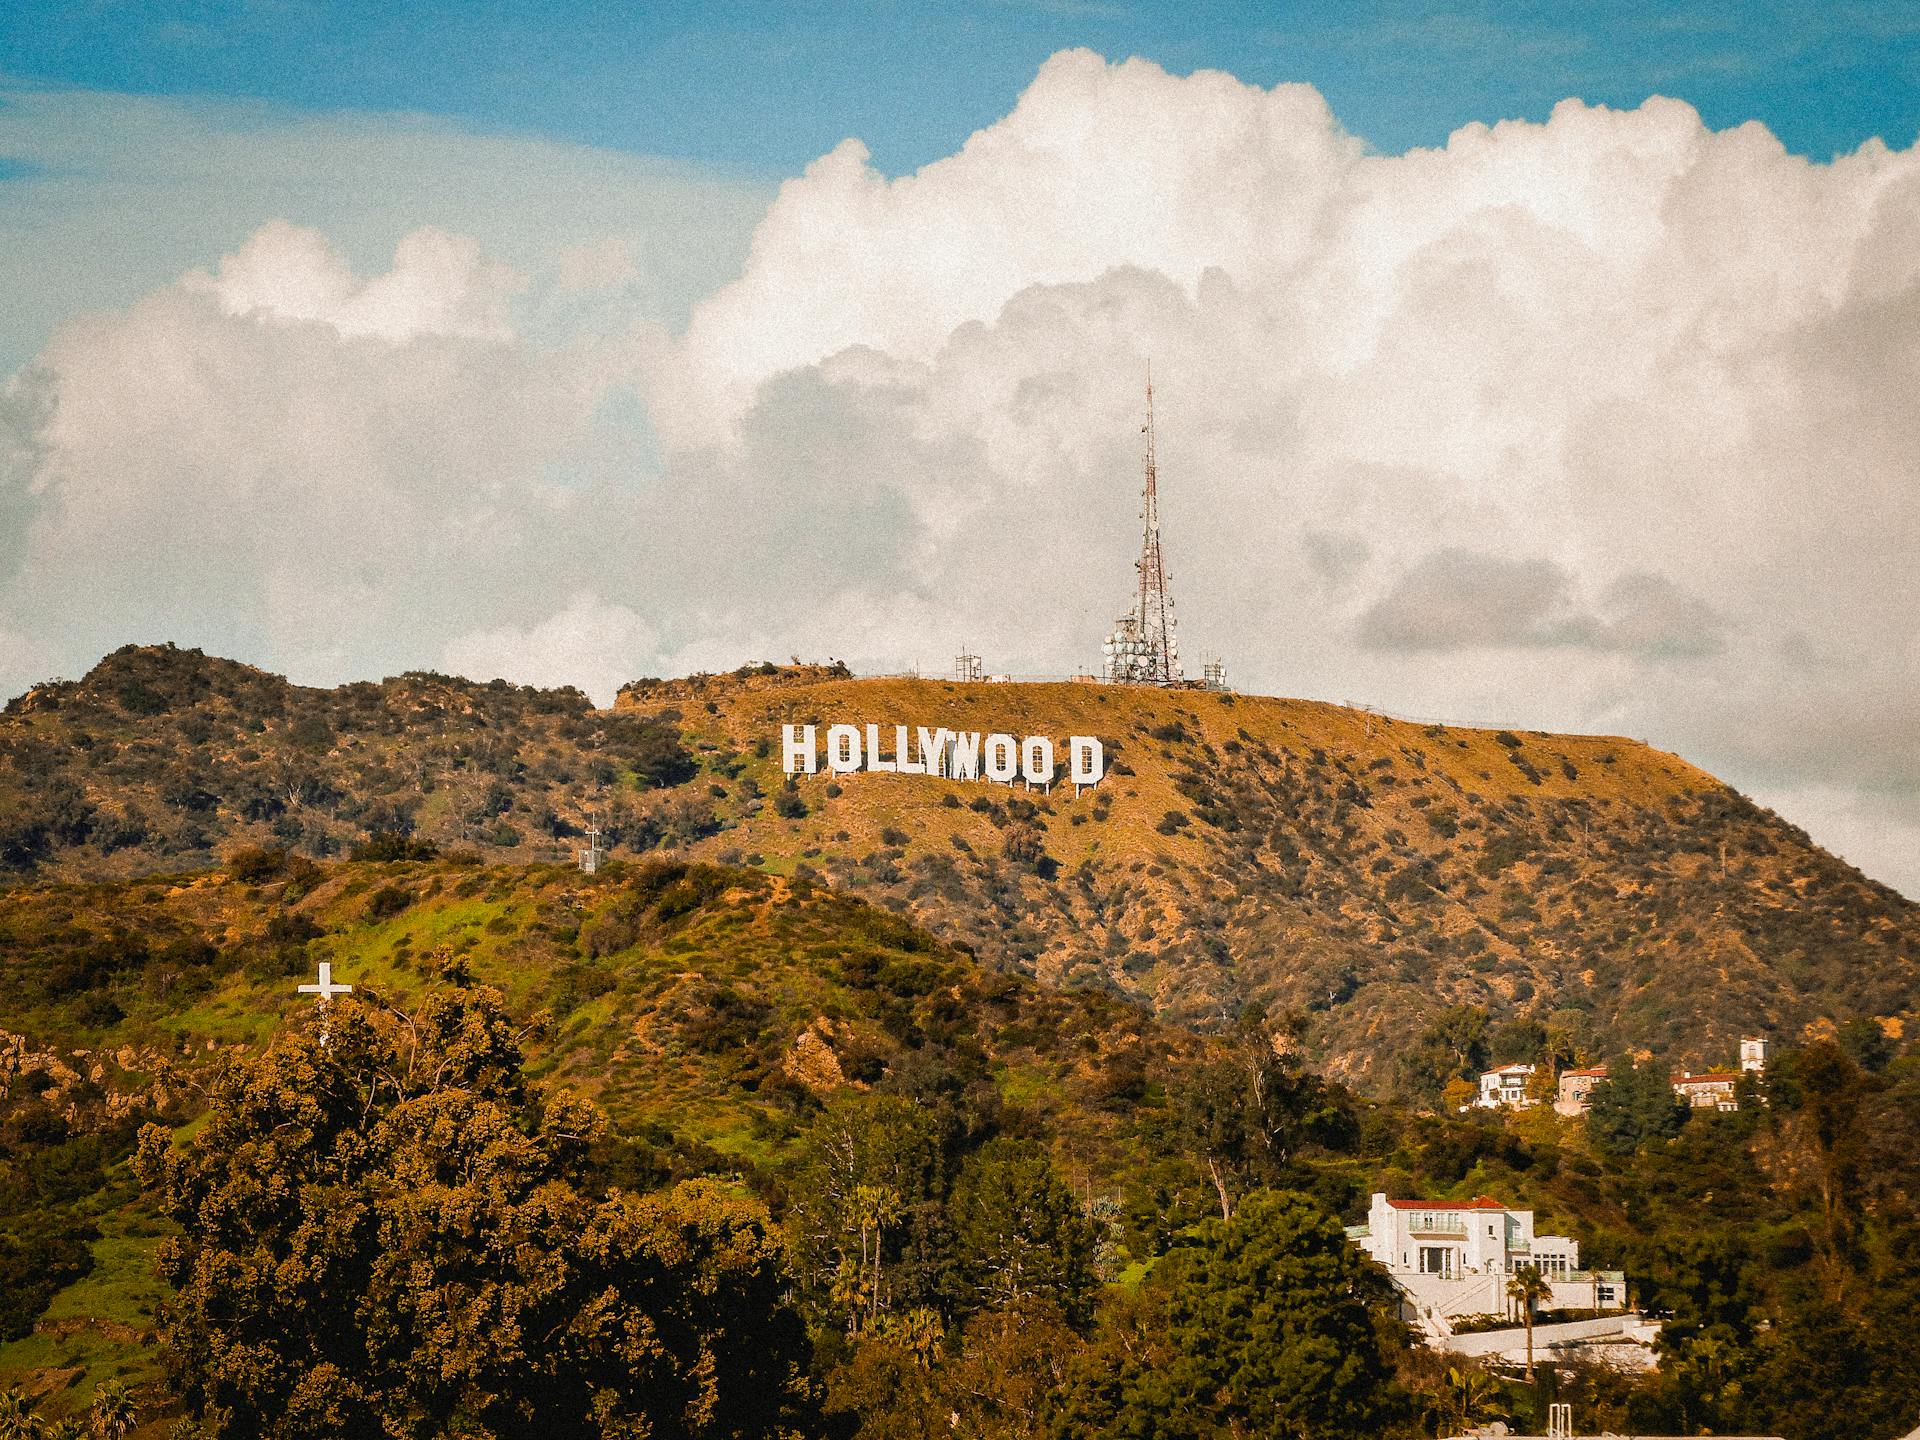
<point x="1143" y="648"/>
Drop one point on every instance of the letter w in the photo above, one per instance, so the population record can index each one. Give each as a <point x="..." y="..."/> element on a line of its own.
<point x="963" y="755"/>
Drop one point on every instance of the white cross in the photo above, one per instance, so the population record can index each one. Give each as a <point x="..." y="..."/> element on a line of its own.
<point x="326" y="990"/>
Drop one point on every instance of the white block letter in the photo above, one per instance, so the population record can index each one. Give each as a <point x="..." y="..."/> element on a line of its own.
<point x="796" y="749"/>
<point x="965" y="761"/>
<point x="1089" y="759"/>
<point x="906" y="766"/>
<point x="843" y="749"/>
<point x="933" y="751"/>
<point x="1036" y="760"/>
<point x="1003" y="758"/>
<point x="874" y="762"/>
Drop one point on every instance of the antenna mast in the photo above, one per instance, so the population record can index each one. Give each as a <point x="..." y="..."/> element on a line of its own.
<point x="1142" y="649"/>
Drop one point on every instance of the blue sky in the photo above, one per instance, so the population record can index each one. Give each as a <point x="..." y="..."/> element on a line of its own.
<point x="763" y="88"/>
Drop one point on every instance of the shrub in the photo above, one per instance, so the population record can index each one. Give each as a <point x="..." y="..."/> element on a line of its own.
<point x="252" y="864"/>
<point x="388" y="900"/>
<point x="392" y="845"/>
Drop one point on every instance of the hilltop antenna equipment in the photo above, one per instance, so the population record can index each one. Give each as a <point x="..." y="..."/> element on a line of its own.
<point x="1142" y="649"/>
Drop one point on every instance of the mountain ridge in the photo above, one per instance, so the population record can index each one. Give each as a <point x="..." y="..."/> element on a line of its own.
<point x="1360" y="875"/>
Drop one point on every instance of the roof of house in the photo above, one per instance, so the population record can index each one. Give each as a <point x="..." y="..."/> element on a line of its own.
<point x="1599" y="1071"/>
<point x="1718" y="1078"/>
<point x="1479" y="1202"/>
<point x="1515" y="1069"/>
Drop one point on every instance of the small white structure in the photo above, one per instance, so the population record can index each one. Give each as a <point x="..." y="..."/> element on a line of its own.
<point x="1506" y="1088"/>
<point x="1713" y="1091"/>
<point x="590" y="857"/>
<point x="1576" y="1090"/>
<point x="1755" y="1051"/>
<point x="1453" y="1259"/>
<point x="325" y="989"/>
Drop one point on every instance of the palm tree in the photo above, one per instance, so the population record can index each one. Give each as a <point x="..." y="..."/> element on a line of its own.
<point x="17" y="1420"/>
<point x="112" y="1416"/>
<point x="1526" y="1289"/>
<point x="1471" y="1396"/>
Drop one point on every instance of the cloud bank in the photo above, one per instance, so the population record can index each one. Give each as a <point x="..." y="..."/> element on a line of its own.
<point x="1603" y="423"/>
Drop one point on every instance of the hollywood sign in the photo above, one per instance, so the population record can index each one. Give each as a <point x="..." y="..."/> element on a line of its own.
<point x="951" y="754"/>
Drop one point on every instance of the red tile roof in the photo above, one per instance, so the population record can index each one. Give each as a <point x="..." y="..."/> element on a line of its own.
<point x="1479" y="1202"/>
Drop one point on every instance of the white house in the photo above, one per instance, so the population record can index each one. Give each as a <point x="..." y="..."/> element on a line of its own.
<point x="1713" y="1091"/>
<point x="1755" y="1051"/>
<point x="1453" y="1258"/>
<point x="1505" y="1088"/>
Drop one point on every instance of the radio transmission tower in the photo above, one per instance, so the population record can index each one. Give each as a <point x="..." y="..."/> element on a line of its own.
<point x="1142" y="649"/>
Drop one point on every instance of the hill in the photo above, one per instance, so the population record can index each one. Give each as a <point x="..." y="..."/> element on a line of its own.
<point x="1408" y="896"/>
<point x="739" y="1024"/>
<point x="710" y="1012"/>
<point x="1359" y="872"/>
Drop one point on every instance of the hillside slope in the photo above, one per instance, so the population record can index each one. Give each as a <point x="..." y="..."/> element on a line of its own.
<point x="710" y="1012"/>
<point x="1358" y="870"/>
<point x="1355" y="873"/>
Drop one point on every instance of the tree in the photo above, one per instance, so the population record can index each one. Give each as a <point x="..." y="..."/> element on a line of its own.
<point x="1012" y="1367"/>
<point x="1268" y="1327"/>
<point x="1527" y="1288"/>
<point x="111" y="1416"/>
<point x="1866" y="1043"/>
<point x="390" y="1232"/>
<point x="1453" y="1046"/>
<point x="1634" y="1105"/>
<point x="1021" y="1232"/>
<point x="1830" y="1096"/>
<point x="1472" y="1396"/>
<point x="866" y="1223"/>
<point x="17" y="1420"/>
<point x="1251" y="1112"/>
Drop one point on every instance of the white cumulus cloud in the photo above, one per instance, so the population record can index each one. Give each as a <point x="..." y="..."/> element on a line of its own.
<point x="588" y="644"/>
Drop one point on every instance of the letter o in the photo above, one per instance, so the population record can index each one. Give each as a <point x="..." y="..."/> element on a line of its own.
<point x="1036" y="760"/>
<point x="843" y="748"/>
<point x="1003" y="758"/>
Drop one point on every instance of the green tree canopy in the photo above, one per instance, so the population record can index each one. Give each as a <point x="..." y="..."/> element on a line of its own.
<point x="1021" y="1231"/>
<point x="867" y="1221"/>
<point x="1269" y="1327"/>
<point x="388" y="1232"/>
<point x="1633" y="1105"/>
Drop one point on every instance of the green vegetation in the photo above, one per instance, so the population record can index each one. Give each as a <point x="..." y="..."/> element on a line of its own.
<point x="988" y="1198"/>
<point x="385" y="1231"/>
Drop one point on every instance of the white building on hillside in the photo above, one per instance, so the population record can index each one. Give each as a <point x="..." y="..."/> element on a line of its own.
<point x="1454" y="1258"/>
<point x="1715" y="1091"/>
<point x="1505" y="1088"/>
<point x="1755" y="1051"/>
